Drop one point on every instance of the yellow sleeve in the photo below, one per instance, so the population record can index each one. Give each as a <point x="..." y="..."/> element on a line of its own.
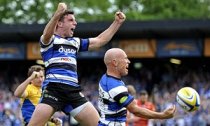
<point x="27" y="92"/>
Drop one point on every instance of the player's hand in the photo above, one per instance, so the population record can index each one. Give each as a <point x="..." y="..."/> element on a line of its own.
<point x="57" y="121"/>
<point x="62" y="7"/>
<point x="120" y="16"/>
<point x="35" y="75"/>
<point x="169" y="112"/>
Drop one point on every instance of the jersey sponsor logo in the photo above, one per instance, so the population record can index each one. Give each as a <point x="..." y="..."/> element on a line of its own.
<point x="66" y="51"/>
<point x="65" y="59"/>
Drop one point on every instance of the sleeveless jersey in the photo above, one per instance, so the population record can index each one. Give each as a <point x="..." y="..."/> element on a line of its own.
<point x="113" y="98"/>
<point x="60" y="57"/>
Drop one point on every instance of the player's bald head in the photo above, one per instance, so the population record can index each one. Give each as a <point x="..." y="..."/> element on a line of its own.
<point x="111" y="54"/>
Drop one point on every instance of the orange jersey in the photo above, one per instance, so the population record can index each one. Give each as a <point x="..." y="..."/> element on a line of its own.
<point x="143" y="121"/>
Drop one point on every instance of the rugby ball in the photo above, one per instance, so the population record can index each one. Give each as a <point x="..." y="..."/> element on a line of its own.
<point x="188" y="98"/>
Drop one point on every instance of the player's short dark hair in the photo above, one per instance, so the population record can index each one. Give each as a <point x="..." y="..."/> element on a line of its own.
<point x="143" y="92"/>
<point x="67" y="12"/>
<point x="36" y="68"/>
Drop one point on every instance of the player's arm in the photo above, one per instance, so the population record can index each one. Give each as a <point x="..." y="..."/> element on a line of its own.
<point x="51" y="25"/>
<point x="20" y="90"/>
<point x="146" y="113"/>
<point x="107" y="35"/>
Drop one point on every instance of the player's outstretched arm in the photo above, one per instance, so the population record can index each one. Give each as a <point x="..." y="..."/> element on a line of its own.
<point x="146" y="113"/>
<point x="51" y="25"/>
<point x="107" y="35"/>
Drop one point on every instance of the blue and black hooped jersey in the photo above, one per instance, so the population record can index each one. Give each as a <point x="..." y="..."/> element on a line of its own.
<point x="60" y="56"/>
<point x="113" y="98"/>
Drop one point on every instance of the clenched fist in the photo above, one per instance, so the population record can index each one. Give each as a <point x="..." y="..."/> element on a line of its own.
<point x="120" y="16"/>
<point x="62" y="7"/>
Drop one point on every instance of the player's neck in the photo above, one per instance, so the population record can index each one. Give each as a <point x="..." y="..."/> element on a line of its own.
<point x="143" y="102"/>
<point x="113" y="73"/>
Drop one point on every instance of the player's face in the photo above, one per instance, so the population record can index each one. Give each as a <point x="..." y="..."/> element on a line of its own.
<point x="123" y="64"/>
<point x="38" y="81"/>
<point x="69" y="24"/>
<point x="143" y="97"/>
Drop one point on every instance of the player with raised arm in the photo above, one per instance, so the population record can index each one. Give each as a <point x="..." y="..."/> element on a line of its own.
<point x="29" y="92"/>
<point x="59" y="50"/>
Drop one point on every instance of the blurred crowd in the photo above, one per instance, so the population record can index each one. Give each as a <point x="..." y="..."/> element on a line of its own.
<point x="161" y="80"/>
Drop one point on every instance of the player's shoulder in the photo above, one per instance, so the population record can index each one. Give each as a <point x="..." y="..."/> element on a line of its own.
<point x="29" y="87"/>
<point x="77" y="39"/>
<point x="32" y="87"/>
<point x="113" y="81"/>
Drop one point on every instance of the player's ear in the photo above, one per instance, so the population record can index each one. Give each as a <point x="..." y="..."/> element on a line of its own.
<point x="114" y="62"/>
<point x="60" y="24"/>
